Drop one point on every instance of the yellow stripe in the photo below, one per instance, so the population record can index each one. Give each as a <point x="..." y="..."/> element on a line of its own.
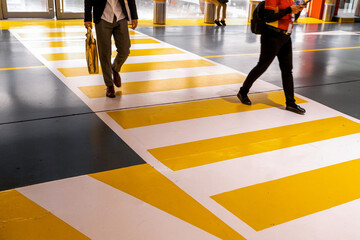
<point x="142" y="23"/>
<point x="59" y="34"/>
<point x="133" y="52"/>
<point x="166" y="84"/>
<point x="271" y="203"/>
<point x="82" y="43"/>
<point x="18" y="68"/>
<point x="21" y="218"/>
<point x="140" y="117"/>
<point x="213" y="150"/>
<point x="150" y="186"/>
<point x="153" y="51"/>
<point x="138" y="67"/>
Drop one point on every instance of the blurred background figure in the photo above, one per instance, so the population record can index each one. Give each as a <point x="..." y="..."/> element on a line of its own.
<point x="220" y="4"/>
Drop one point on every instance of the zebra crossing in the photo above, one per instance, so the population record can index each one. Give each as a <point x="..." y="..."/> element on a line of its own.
<point x="215" y="168"/>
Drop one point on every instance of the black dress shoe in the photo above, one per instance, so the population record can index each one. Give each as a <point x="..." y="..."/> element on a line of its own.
<point x="217" y="22"/>
<point x="244" y="99"/>
<point x="116" y="77"/>
<point x="223" y="22"/>
<point x="296" y="109"/>
<point x="110" y="92"/>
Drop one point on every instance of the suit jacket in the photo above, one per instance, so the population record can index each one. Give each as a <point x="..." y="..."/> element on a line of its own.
<point x="98" y="7"/>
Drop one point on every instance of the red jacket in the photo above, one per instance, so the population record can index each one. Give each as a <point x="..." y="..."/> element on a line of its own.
<point x="276" y="5"/>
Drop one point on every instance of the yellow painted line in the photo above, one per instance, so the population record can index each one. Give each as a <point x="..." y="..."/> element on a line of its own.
<point x="138" y="67"/>
<point x="142" y="23"/>
<point x="18" y="68"/>
<point x="213" y="150"/>
<point x="21" y="218"/>
<point x="133" y="52"/>
<point x="59" y="34"/>
<point x="40" y="23"/>
<point x="310" y="21"/>
<point x="140" y="117"/>
<point x="148" y="185"/>
<point x="272" y="203"/>
<point x="328" y="49"/>
<point x="166" y="84"/>
<point x="82" y="43"/>
<point x="297" y="51"/>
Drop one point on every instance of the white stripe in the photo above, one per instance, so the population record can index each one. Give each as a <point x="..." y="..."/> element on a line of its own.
<point x="153" y="75"/>
<point x="156" y="98"/>
<point x="81" y="49"/>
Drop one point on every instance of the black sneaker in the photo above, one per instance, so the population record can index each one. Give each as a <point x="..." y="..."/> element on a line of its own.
<point x="296" y="109"/>
<point x="244" y="99"/>
<point x="217" y="22"/>
<point x="223" y="22"/>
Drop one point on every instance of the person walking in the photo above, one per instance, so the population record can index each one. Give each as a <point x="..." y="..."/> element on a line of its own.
<point x="276" y="42"/>
<point x="111" y="19"/>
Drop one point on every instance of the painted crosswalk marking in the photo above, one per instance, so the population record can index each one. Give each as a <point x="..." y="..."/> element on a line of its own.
<point x="196" y="125"/>
<point x="271" y="203"/>
<point x="207" y="151"/>
<point x="24" y="219"/>
<point x="140" y="117"/>
<point x="134" y="52"/>
<point x="80" y="43"/>
<point x="140" y="67"/>
<point x="166" y="84"/>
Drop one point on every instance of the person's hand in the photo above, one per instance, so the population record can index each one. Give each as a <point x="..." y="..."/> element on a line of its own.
<point x="302" y="5"/>
<point x="296" y="8"/>
<point x="134" y="23"/>
<point x="88" y="25"/>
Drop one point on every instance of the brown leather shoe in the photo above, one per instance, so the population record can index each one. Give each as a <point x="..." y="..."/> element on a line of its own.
<point x="117" y="79"/>
<point x="110" y="92"/>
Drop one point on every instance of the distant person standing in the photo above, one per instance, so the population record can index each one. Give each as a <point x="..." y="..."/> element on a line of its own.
<point x="111" y="19"/>
<point x="220" y="4"/>
<point x="276" y="42"/>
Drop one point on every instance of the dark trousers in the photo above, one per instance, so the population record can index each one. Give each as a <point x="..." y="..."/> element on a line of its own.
<point x="104" y="31"/>
<point x="274" y="44"/>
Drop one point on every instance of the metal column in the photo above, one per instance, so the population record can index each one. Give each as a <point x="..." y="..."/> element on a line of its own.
<point x="1" y="14"/>
<point x="328" y="11"/>
<point x="159" y="12"/>
<point x="209" y="13"/>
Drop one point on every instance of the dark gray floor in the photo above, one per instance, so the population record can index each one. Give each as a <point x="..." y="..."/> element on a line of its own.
<point x="56" y="148"/>
<point x="330" y="77"/>
<point x="46" y="131"/>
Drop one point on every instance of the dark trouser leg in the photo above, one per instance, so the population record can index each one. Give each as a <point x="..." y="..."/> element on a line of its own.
<point x="122" y="42"/>
<point x="269" y="49"/>
<point x="286" y="66"/>
<point x="103" y="35"/>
